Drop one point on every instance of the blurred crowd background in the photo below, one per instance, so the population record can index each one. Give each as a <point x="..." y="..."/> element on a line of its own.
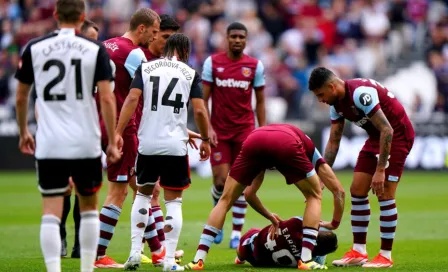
<point x="402" y="44"/>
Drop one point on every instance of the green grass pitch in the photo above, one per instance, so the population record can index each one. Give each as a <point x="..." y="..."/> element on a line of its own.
<point x="421" y="241"/>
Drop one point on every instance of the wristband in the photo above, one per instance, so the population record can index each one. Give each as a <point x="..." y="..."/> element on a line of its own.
<point x="335" y="223"/>
<point x="206" y="139"/>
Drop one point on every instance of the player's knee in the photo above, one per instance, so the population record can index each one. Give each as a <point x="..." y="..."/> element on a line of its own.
<point x="219" y="181"/>
<point x="117" y="193"/>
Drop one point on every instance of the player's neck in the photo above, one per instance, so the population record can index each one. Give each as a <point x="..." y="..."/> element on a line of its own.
<point x="232" y="56"/>
<point x="153" y="53"/>
<point x="68" y="25"/>
<point x="131" y="36"/>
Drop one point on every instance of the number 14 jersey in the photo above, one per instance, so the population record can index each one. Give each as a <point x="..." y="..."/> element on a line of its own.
<point x="65" y="68"/>
<point x="167" y="86"/>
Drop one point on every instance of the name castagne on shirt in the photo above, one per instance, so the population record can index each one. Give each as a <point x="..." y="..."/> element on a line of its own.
<point x="166" y="63"/>
<point x="64" y="46"/>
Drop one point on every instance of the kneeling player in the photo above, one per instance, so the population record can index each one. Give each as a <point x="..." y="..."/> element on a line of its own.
<point x="294" y="155"/>
<point x="257" y="247"/>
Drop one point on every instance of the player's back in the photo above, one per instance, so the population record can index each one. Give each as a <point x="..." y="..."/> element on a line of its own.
<point x="65" y="71"/>
<point x="167" y="88"/>
<point x="364" y="98"/>
<point x="285" y="249"/>
<point x="125" y="57"/>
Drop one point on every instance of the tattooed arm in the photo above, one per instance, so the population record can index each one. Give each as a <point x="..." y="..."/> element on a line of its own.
<point x="332" y="148"/>
<point x="330" y="180"/>
<point x="381" y="123"/>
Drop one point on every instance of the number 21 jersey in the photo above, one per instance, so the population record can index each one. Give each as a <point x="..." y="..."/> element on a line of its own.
<point x="65" y="68"/>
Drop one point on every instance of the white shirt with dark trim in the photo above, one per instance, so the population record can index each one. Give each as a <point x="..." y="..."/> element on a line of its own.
<point x="167" y="87"/>
<point x="65" y="68"/>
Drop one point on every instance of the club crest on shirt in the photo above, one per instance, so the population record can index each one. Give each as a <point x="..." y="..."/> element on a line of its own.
<point x="220" y="69"/>
<point x="247" y="72"/>
<point x="217" y="156"/>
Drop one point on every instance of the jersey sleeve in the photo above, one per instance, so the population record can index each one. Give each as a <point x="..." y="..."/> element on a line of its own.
<point x="196" y="89"/>
<point x="25" y="73"/>
<point x="103" y="69"/>
<point x="137" y="82"/>
<point x="259" y="80"/>
<point x="366" y="99"/>
<point x="133" y="61"/>
<point x="207" y="74"/>
<point x="334" y="116"/>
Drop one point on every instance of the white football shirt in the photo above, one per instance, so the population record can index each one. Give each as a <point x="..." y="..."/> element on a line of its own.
<point x="65" y="68"/>
<point x="167" y="86"/>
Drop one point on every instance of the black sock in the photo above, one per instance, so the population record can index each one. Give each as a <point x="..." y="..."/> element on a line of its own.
<point x="77" y="220"/>
<point x="65" y="213"/>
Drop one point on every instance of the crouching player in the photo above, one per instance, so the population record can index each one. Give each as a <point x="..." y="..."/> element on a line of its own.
<point x="257" y="247"/>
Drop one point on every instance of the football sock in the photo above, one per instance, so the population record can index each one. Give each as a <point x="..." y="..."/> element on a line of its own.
<point x="207" y="237"/>
<point x="388" y="225"/>
<point x="65" y="212"/>
<point x="239" y="210"/>
<point x="308" y="243"/>
<point x="216" y="194"/>
<point x="108" y="220"/>
<point x="173" y="227"/>
<point x="88" y="238"/>
<point x="50" y="242"/>
<point x="360" y="217"/>
<point x="158" y="217"/>
<point x="151" y="235"/>
<point x="139" y="220"/>
<point x="77" y="219"/>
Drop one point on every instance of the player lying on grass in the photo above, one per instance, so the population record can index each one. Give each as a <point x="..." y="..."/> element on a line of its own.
<point x="257" y="247"/>
<point x="294" y="155"/>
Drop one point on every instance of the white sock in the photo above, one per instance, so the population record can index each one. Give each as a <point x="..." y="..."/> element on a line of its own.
<point x="174" y="219"/>
<point x="89" y="235"/>
<point x="139" y="219"/>
<point x="386" y="253"/>
<point x="50" y="242"/>
<point x="361" y="248"/>
<point x="235" y="234"/>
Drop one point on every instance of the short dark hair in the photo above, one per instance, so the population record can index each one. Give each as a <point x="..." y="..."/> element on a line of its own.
<point x="168" y="23"/>
<point x="181" y="44"/>
<point x="69" y="11"/>
<point x="87" y="24"/>
<point x="236" y="26"/>
<point x="319" y="76"/>
<point x="145" y="16"/>
<point x="327" y="242"/>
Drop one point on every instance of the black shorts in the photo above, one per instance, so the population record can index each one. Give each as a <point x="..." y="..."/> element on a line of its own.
<point x="173" y="171"/>
<point x="53" y="176"/>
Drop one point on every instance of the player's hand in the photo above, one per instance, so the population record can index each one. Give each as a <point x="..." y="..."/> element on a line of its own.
<point x="378" y="182"/>
<point x="273" y="229"/>
<point x="191" y="138"/>
<point x="113" y="154"/>
<point x="204" y="151"/>
<point x="26" y="143"/>
<point x="213" y="137"/>
<point x="327" y="225"/>
<point x="119" y="142"/>
<point x="156" y="191"/>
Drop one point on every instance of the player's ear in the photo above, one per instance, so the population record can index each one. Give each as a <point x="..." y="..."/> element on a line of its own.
<point x="55" y="15"/>
<point x="82" y="17"/>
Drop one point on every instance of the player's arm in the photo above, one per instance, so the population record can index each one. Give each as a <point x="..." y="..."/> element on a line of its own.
<point x="133" y="61"/>
<point x="199" y="109"/>
<point x="337" y="127"/>
<point x="22" y="100"/>
<point x="330" y="181"/>
<point x="250" y="194"/>
<point x="259" y="83"/>
<point x="25" y="76"/>
<point x="207" y="81"/>
<point x="131" y="102"/>
<point x="381" y="123"/>
<point x="103" y="78"/>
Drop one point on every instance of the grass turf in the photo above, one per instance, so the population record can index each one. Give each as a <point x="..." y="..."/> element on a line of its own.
<point x="421" y="242"/>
